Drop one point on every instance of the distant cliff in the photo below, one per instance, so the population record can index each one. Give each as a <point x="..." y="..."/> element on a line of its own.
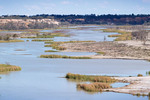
<point x="49" y="21"/>
<point x="109" y="19"/>
<point x="16" y="24"/>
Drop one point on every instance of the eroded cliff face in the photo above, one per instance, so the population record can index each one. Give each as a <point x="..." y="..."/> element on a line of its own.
<point x="27" y="21"/>
<point x="13" y="24"/>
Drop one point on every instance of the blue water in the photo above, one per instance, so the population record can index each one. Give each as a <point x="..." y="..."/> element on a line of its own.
<point x="40" y="79"/>
<point x="84" y="34"/>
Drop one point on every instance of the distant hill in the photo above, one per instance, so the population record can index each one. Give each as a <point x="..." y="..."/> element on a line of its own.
<point x="49" y="21"/>
<point x="89" y="19"/>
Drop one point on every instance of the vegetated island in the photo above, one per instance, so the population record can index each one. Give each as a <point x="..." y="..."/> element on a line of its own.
<point x="98" y="82"/>
<point x="64" y="56"/>
<point x="139" y="86"/>
<point x="7" y="68"/>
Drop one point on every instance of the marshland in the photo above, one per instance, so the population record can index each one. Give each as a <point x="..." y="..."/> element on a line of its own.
<point x="42" y="78"/>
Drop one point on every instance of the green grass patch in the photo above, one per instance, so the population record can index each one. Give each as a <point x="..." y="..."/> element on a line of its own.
<point x="94" y="87"/>
<point x="6" y="68"/>
<point x="8" y="41"/>
<point x="92" y="78"/>
<point x="63" y="56"/>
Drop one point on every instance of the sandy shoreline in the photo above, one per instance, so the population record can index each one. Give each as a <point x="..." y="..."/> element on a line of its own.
<point x="131" y="50"/>
<point x="138" y="85"/>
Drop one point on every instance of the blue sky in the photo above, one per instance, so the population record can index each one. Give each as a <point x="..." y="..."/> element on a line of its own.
<point x="32" y="7"/>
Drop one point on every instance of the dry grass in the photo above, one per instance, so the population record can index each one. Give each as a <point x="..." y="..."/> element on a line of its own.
<point x="94" y="87"/>
<point x="140" y="75"/>
<point x="120" y="37"/>
<point x="50" y="51"/>
<point x="6" y="68"/>
<point x="56" y="45"/>
<point x="91" y="78"/>
<point x="8" y="41"/>
<point x="63" y="56"/>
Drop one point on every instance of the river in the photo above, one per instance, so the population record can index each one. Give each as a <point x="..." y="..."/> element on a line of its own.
<point x="41" y="79"/>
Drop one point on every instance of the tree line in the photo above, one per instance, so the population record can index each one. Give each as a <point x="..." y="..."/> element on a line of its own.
<point x="89" y="19"/>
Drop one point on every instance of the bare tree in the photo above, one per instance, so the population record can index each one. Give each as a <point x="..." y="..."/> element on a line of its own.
<point x="141" y="35"/>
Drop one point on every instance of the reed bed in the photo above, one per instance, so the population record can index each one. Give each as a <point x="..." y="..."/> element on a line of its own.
<point x="51" y="51"/>
<point x="8" y="41"/>
<point x="63" y="56"/>
<point x="120" y="37"/>
<point x="6" y="68"/>
<point x="92" y="78"/>
<point x="93" y="87"/>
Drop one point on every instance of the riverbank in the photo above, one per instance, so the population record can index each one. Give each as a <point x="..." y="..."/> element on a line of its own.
<point x="139" y="86"/>
<point x="111" y="50"/>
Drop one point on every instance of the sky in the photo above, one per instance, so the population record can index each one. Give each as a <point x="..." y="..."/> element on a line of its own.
<point x="98" y="7"/>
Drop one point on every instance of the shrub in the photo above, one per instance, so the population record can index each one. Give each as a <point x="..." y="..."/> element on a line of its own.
<point x="139" y="75"/>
